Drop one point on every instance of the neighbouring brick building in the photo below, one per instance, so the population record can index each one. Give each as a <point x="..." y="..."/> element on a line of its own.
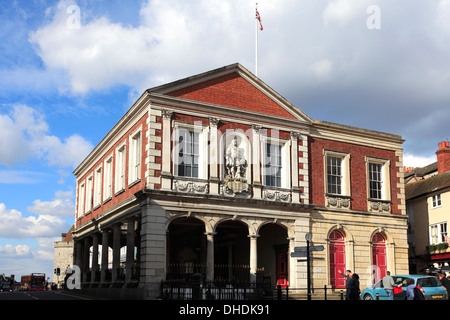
<point x="219" y="175"/>
<point x="427" y="193"/>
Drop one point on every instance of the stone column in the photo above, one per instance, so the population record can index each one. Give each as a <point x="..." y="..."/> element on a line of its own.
<point x="78" y="253"/>
<point x="153" y="248"/>
<point x="214" y="157"/>
<point x="104" y="262"/>
<point x="294" y="168"/>
<point x="166" y="176"/>
<point x="116" y="252"/>
<point x="85" y="260"/>
<point x="94" y="257"/>
<point x="131" y="233"/>
<point x="209" y="256"/>
<point x="253" y="257"/>
<point x="256" y="162"/>
<point x="291" y="262"/>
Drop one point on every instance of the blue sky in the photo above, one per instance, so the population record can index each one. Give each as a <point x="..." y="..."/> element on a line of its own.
<point x="70" y="69"/>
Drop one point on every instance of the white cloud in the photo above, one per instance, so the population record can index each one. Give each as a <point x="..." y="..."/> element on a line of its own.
<point x="62" y="205"/>
<point x="410" y="160"/>
<point x="15" y="251"/>
<point x="343" y="11"/>
<point x="15" y="225"/>
<point x="102" y="53"/>
<point x="322" y="68"/>
<point x="25" y="135"/>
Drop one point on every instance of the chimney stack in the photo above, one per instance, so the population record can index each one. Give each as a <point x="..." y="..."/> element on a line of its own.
<point x="443" y="157"/>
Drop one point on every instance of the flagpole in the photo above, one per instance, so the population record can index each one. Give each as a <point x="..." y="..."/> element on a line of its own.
<point x="256" y="43"/>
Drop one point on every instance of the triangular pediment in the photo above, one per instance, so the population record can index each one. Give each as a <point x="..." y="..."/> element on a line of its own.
<point x="232" y="86"/>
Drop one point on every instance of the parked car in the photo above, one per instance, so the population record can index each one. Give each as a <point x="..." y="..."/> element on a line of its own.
<point x="429" y="285"/>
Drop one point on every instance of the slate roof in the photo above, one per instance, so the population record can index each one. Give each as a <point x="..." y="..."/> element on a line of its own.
<point x="426" y="186"/>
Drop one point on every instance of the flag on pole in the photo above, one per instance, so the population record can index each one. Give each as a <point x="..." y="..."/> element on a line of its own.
<point x="259" y="18"/>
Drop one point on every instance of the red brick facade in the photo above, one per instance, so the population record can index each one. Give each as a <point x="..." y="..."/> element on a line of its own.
<point x="234" y="91"/>
<point x="129" y="190"/>
<point x="358" y="174"/>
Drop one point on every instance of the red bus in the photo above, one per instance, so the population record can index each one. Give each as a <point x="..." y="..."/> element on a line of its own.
<point x="33" y="282"/>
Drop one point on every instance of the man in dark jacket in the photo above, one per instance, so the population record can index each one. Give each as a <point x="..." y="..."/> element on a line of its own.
<point x="445" y="282"/>
<point x="348" y="281"/>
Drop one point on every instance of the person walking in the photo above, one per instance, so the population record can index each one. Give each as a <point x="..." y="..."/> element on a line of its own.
<point x="445" y="282"/>
<point x="348" y="280"/>
<point x="354" y="293"/>
<point x="388" y="284"/>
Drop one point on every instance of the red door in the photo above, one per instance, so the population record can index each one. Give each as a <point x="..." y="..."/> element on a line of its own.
<point x="337" y="259"/>
<point x="282" y="269"/>
<point x="379" y="256"/>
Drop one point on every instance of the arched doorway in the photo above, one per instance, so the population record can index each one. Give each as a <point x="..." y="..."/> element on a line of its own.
<point x="273" y="253"/>
<point x="186" y="248"/>
<point x="232" y="252"/>
<point x="337" y="258"/>
<point x="379" y="257"/>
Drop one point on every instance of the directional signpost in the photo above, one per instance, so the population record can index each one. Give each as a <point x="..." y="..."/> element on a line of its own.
<point x="302" y="252"/>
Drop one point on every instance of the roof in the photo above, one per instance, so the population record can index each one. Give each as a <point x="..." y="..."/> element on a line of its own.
<point x="422" y="171"/>
<point x="206" y="79"/>
<point x="68" y="235"/>
<point x="427" y="186"/>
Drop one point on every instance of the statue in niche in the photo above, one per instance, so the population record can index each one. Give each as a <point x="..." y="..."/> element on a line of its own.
<point x="236" y="168"/>
<point x="235" y="161"/>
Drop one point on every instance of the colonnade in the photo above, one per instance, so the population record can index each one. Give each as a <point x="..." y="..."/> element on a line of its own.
<point x="112" y="236"/>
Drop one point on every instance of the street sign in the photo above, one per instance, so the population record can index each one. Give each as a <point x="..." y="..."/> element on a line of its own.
<point x="298" y="254"/>
<point x="310" y="258"/>
<point x="311" y="248"/>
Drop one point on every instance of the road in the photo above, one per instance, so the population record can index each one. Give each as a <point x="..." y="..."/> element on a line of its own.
<point x="39" y="295"/>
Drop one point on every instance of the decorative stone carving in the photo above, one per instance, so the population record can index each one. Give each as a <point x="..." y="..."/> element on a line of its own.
<point x="190" y="187"/>
<point x="337" y="202"/>
<point x="277" y="195"/>
<point x="379" y="206"/>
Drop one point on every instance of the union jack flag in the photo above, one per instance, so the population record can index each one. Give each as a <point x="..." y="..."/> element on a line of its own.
<point x="259" y="18"/>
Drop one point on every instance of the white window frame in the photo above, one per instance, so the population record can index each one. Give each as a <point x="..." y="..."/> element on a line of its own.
<point x="89" y="191"/>
<point x="121" y="158"/>
<point x="108" y="178"/>
<point x="285" y="161"/>
<point x="98" y="183"/>
<point x="345" y="172"/>
<point x="436" y="201"/>
<point x="135" y="156"/>
<point x="202" y="144"/>
<point x="81" y="196"/>
<point x="438" y="232"/>
<point x="385" y="178"/>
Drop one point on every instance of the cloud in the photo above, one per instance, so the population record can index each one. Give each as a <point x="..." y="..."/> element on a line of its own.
<point x="343" y="11"/>
<point x="15" y="251"/>
<point x="322" y="56"/>
<point x="100" y="53"/>
<point x="25" y="135"/>
<point x="61" y="206"/>
<point x="15" y="225"/>
<point x="410" y="160"/>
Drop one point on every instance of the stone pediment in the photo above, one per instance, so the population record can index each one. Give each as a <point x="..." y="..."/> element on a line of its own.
<point x="235" y="87"/>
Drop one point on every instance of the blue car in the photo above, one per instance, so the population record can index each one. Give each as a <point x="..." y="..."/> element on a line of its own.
<point x="430" y="286"/>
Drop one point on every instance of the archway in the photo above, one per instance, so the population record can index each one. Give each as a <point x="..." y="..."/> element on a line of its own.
<point x="273" y="254"/>
<point x="232" y="252"/>
<point x="337" y="258"/>
<point x="186" y="248"/>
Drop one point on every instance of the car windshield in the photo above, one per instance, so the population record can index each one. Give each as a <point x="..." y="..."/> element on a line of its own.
<point x="428" y="282"/>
